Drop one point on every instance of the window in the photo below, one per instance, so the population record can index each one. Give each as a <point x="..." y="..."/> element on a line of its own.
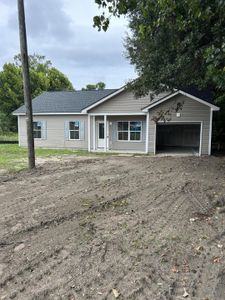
<point x="135" y="131"/>
<point x="74" y="130"/>
<point x="37" y="130"/>
<point x="129" y="131"/>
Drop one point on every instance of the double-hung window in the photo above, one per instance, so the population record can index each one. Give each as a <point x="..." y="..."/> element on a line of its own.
<point x="74" y="130"/>
<point x="129" y="130"/>
<point x="37" y="130"/>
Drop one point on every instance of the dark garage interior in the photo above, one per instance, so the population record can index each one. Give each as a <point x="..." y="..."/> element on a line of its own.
<point x="178" y="138"/>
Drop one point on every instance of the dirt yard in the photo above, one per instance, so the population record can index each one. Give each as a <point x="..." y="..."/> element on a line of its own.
<point x="114" y="228"/>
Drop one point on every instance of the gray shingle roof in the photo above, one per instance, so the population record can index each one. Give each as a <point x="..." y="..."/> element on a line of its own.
<point x="65" y="102"/>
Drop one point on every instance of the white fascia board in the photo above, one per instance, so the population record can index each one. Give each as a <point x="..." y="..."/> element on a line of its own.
<point x="146" y="109"/>
<point x="103" y="99"/>
<point x="210" y="132"/>
<point x="212" y="106"/>
<point x="119" y="114"/>
<point x="47" y="114"/>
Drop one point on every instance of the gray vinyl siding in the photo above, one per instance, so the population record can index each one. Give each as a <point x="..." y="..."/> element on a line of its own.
<point x="55" y="130"/>
<point x="116" y="145"/>
<point x="113" y="143"/>
<point x="125" y="102"/>
<point x="192" y="111"/>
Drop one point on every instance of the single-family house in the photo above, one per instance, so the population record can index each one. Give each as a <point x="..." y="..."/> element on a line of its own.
<point x="115" y="120"/>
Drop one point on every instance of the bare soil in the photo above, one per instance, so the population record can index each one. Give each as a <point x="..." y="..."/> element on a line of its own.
<point x="114" y="227"/>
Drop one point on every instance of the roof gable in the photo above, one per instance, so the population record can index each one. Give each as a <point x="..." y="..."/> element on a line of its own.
<point x="115" y="93"/>
<point x="182" y="92"/>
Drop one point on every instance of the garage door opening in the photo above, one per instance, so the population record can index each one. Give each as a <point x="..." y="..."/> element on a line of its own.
<point x="178" y="139"/>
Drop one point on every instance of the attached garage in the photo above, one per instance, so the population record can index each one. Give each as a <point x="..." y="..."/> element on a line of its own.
<point x="178" y="138"/>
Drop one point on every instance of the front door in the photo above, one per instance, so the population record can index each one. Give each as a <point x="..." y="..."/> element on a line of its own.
<point x="101" y="135"/>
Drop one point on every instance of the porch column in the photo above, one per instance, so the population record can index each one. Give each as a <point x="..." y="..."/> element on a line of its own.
<point x="147" y="133"/>
<point x="94" y="131"/>
<point x="89" y="132"/>
<point x="105" y="133"/>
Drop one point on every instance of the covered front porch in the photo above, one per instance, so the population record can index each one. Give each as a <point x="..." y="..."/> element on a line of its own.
<point x="127" y="133"/>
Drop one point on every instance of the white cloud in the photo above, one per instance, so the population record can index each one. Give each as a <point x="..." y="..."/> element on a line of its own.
<point x="63" y="31"/>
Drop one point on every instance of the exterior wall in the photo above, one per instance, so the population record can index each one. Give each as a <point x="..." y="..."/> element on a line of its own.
<point x="114" y="144"/>
<point x="55" y="129"/>
<point x="192" y="111"/>
<point x="122" y="103"/>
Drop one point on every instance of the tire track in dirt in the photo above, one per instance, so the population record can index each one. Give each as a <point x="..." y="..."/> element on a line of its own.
<point x="64" y="218"/>
<point x="144" y="287"/>
<point x="23" y="276"/>
<point x="78" y="193"/>
<point x="174" y="213"/>
<point x="106" y="251"/>
<point x="30" y="194"/>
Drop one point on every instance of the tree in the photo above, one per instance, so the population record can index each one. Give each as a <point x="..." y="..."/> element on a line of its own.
<point x="174" y="43"/>
<point x="58" y="81"/>
<point x="89" y="87"/>
<point x="98" y="86"/>
<point x="43" y="77"/>
<point x="47" y="76"/>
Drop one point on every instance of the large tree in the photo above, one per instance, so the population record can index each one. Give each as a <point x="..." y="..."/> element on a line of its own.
<point x="174" y="43"/>
<point x="43" y="77"/>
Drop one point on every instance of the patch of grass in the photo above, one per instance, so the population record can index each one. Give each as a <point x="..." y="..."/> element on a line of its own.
<point x="116" y="204"/>
<point x="9" y="137"/>
<point x="139" y="244"/>
<point x="14" y="158"/>
<point x="120" y="203"/>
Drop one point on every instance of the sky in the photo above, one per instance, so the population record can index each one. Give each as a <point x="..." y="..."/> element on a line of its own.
<point x="62" y="30"/>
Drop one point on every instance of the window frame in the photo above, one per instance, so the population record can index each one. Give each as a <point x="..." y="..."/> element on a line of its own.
<point x="129" y="131"/>
<point x="74" y="130"/>
<point x="38" y="130"/>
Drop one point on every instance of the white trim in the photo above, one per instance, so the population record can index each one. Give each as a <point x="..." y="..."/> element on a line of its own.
<point x="119" y="114"/>
<point x="201" y="135"/>
<point x="97" y="135"/>
<point x="105" y="133"/>
<point x="35" y="130"/>
<point x="103" y="99"/>
<point x="150" y="106"/>
<point x="147" y="133"/>
<point x="183" y="122"/>
<point x="210" y="132"/>
<point x="121" y="151"/>
<point x="74" y="131"/>
<point x="155" y="132"/>
<point x="18" y="124"/>
<point x="50" y="113"/>
<point x="128" y="131"/>
<point x="85" y="114"/>
<point x="94" y="133"/>
<point x="146" y="109"/>
<point x="213" y="107"/>
<point x="89" y="133"/>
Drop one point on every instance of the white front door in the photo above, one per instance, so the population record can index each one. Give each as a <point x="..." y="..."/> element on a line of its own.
<point x="100" y="135"/>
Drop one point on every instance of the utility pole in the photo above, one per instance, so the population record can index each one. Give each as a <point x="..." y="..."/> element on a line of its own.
<point x="26" y="84"/>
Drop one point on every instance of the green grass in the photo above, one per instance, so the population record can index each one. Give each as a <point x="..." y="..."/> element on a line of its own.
<point x="11" y="137"/>
<point x="14" y="158"/>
